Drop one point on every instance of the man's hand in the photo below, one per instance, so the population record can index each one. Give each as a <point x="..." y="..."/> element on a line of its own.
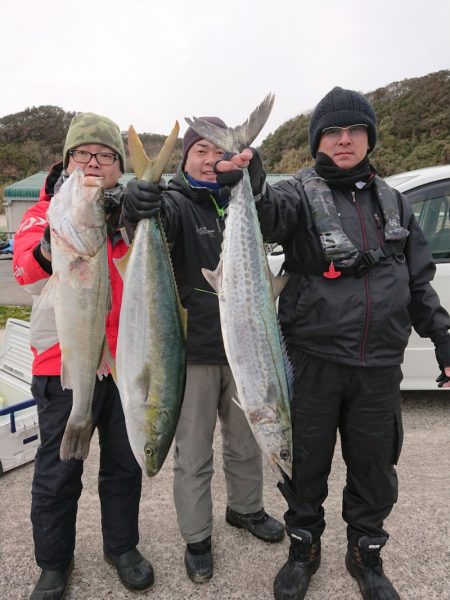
<point x="46" y="249"/>
<point x="142" y="200"/>
<point x="442" y="349"/>
<point x="229" y="170"/>
<point x="230" y="161"/>
<point x="443" y="380"/>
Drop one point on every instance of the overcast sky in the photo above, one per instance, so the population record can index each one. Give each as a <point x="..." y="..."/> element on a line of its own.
<point x="149" y="62"/>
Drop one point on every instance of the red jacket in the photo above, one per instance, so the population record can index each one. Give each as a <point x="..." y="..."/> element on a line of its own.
<point x="28" y="272"/>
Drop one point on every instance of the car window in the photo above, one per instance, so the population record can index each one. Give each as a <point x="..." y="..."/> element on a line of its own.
<point x="431" y="206"/>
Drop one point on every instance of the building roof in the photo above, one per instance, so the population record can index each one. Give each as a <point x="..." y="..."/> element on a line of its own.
<point x="30" y="187"/>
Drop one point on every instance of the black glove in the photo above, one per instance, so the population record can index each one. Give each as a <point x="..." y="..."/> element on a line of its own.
<point x="442" y="351"/>
<point x="142" y="200"/>
<point x="257" y="173"/>
<point x="230" y="178"/>
<point x="46" y="241"/>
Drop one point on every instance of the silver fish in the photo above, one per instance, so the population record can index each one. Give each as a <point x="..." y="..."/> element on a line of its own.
<point x="79" y="294"/>
<point x="151" y="355"/>
<point x="245" y="286"/>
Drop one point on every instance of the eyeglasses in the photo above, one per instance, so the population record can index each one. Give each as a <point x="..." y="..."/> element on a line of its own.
<point x="84" y="157"/>
<point x="354" y="131"/>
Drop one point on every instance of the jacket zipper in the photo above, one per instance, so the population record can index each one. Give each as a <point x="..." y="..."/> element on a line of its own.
<point x="362" y="348"/>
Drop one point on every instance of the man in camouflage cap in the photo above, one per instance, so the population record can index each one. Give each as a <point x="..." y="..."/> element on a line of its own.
<point x="94" y="144"/>
<point x="89" y="128"/>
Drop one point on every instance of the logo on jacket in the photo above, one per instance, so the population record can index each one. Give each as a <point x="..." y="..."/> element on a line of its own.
<point x="205" y="231"/>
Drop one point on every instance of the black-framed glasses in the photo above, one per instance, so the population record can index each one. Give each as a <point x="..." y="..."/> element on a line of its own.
<point x="354" y="131"/>
<point x="84" y="157"/>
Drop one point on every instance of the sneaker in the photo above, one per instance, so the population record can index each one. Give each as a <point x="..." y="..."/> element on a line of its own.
<point x="364" y="563"/>
<point x="198" y="561"/>
<point x="135" y="572"/>
<point x="292" y="581"/>
<point x="260" y="524"/>
<point x="52" y="584"/>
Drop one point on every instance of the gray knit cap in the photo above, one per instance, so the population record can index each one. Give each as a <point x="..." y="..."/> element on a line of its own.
<point x="341" y="108"/>
<point x="89" y="128"/>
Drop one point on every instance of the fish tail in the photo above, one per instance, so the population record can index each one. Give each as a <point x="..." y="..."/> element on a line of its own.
<point x="76" y="439"/>
<point x="144" y="168"/>
<point x="237" y="138"/>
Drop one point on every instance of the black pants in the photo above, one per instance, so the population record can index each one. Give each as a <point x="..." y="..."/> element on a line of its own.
<point x="364" y="405"/>
<point x="57" y="484"/>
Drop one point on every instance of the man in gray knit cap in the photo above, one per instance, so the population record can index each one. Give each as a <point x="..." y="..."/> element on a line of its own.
<point x="94" y="144"/>
<point x="193" y="212"/>
<point x="359" y="278"/>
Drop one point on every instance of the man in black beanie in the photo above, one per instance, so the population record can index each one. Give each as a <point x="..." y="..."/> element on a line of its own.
<point x="193" y="211"/>
<point x="359" y="278"/>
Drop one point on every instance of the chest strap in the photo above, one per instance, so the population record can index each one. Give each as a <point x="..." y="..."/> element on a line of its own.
<point x="336" y="245"/>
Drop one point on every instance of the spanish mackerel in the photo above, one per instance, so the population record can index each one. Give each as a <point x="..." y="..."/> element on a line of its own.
<point x="245" y="287"/>
<point x="151" y="355"/>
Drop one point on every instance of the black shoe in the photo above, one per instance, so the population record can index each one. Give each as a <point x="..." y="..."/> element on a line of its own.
<point x="198" y="561"/>
<point x="135" y="572"/>
<point x="292" y="581"/>
<point x="260" y="524"/>
<point x="364" y="563"/>
<point x="52" y="584"/>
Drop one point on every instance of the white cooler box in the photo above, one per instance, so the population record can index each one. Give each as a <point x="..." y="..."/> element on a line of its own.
<point x="19" y="431"/>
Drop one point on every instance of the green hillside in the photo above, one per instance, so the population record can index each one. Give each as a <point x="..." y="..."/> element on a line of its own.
<point x="413" y="117"/>
<point x="413" y="126"/>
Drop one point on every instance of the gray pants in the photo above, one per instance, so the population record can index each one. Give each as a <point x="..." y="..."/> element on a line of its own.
<point x="209" y="390"/>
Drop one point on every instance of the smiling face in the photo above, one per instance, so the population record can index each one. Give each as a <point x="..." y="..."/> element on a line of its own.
<point x="110" y="173"/>
<point x="347" y="150"/>
<point x="200" y="161"/>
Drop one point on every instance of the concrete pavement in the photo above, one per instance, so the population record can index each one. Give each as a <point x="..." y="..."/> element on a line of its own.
<point x="416" y="556"/>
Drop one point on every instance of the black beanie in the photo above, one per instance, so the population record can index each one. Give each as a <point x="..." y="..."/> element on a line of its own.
<point x="191" y="136"/>
<point x="341" y="108"/>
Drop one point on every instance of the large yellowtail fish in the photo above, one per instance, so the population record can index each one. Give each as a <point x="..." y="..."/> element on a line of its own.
<point x="79" y="294"/>
<point x="247" y="290"/>
<point x="151" y="356"/>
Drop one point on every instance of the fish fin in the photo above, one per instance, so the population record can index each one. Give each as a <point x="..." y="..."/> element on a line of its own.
<point x="46" y="298"/>
<point x="109" y="297"/>
<point x="150" y="170"/>
<point x="76" y="439"/>
<point x="214" y="278"/>
<point x="184" y="318"/>
<point x="238" y="404"/>
<point x="114" y="373"/>
<point x="106" y="361"/>
<point x="66" y="382"/>
<point x="121" y="264"/>
<point x="237" y="138"/>
<point x="278" y="283"/>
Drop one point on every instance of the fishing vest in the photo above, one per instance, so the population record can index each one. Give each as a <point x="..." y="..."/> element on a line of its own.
<point x="339" y="251"/>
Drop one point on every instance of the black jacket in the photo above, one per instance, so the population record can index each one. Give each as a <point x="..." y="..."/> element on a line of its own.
<point x="195" y="230"/>
<point x="354" y="321"/>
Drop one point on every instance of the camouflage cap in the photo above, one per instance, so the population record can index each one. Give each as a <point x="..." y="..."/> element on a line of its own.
<point x="89" y="128"/>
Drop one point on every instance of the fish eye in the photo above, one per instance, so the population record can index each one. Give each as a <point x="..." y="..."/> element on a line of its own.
<point x="148" y="451"/>
<point x="284" y="454"/>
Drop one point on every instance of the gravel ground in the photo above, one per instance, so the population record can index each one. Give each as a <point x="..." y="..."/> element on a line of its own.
<point x="416" y="557"/>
